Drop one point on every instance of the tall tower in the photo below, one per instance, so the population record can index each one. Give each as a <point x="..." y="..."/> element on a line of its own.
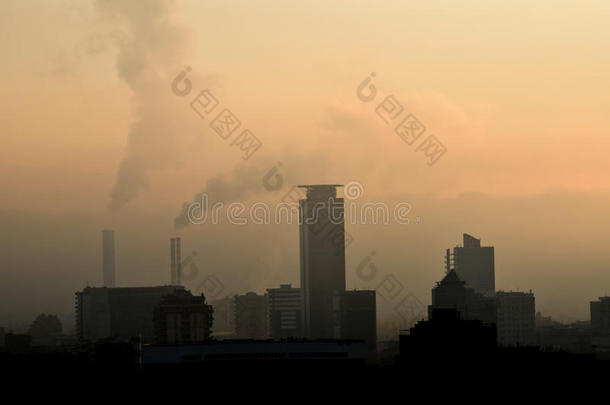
<point x="108" y="259"/>
<point x="322" y="248"/>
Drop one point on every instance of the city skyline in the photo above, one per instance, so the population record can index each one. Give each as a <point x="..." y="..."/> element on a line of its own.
<point x="486" y="118"/>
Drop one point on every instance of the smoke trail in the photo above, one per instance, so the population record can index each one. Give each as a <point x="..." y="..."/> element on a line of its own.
<point x="150" y="48"/>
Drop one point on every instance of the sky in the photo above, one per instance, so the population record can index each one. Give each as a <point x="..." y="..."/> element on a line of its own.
<point x="93" y="138"/>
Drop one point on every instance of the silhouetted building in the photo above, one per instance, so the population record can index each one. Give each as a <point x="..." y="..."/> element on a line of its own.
<point x="446" y="338"/>
<point x="572" y="338"/>
<point x="600" y="316"/>
<point x="251" y="316"/>
<point x="451" y="293"/>
<point x="356" y="316"/>
<point x="285" y="312"/>
<point x="224" y="318"/>
<point x="108" y="259"/>
<point x="118" y="312"/>
<point x="516" y="321"/>
<point x="182" y="318"/>
<point x="474" y="264"/>
<point x="322" y="251"/>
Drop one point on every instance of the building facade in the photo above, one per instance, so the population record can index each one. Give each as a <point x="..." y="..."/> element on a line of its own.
<point x="356" y="316"/>
<point x="474" y="264"/>
<point x="600" y="316"/>
<point x="285" y="312"/>
<point x="516" y="318"/>
<point x="322" y="254"/>
<point x="251" y="316"/>
<point x="182" y="318"/>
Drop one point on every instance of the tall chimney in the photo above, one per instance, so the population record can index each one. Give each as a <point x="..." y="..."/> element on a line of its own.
<point x="178" y="262"/>
<point x="172" y="267"/>
<point x="108" y="260"/>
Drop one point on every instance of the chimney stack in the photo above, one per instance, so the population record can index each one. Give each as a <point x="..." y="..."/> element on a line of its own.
<point x="108" y="259"/>
<point x="178" y="262"/>
<point x="172" y="268"/>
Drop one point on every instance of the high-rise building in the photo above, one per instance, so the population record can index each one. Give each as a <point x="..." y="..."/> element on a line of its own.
<point x="474" y="264"/>
<point x="516" y="315"/>
<point x="600" y="316"/>
<point x="251" y="316"/>
<point x="182" y="318"/>
<point x="285" y="312"/>
<point x="322" y="251"/>
<point x="452" y="293"/>
<point x="108" y="259"/>
<point x="103" y="312"/>
<point x="356" y="316"/>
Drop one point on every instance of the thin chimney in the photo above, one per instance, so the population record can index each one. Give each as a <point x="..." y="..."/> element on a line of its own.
<point x="178" y="262"/>
<point x="108" y="259"/>
<point x="172" y="268"/>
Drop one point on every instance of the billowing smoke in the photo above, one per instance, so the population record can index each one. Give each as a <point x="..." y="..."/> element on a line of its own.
<point x="150" y="52"/>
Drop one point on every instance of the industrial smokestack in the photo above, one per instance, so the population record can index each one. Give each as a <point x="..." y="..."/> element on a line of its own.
<point x="108" y="260"/>
<point x="178" y="262"/>
<point x="172" y="267"/>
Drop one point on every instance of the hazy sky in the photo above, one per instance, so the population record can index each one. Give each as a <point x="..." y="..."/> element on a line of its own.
<point x="517" y="91"/>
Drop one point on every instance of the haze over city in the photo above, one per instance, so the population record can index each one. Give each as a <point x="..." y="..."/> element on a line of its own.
<point x="95" y="137"/>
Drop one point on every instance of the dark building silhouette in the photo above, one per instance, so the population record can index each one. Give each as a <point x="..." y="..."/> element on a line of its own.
<point x="118" y="312"/>
<point x="108" y="258"/>
<point x="516" y="318"/>
<point x="182" y="318"/>
<point x="452" y="293"/>
<point x="285" y="312"/>
<point x="474" y="264"/>
<point x="322" y="251"/>
<point x="356" y="317"/>
<point x="447" y="338"/>
<point x="251" y="316"/>
<point x="224" y="318"/>
<point x="600" y="316"/>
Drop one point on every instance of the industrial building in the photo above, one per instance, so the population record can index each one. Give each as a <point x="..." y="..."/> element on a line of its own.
<point x="103" y="312"/>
